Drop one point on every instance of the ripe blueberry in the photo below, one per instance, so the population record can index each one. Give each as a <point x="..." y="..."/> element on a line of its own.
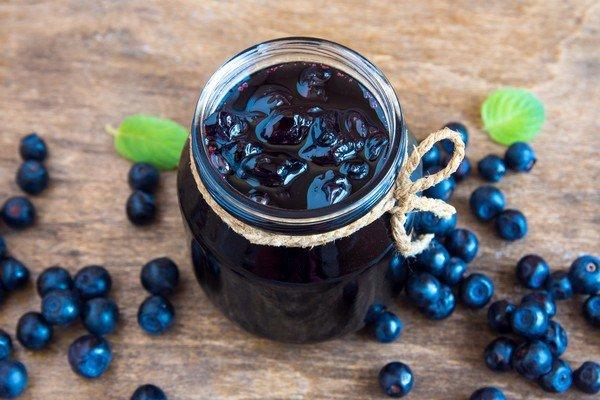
<point x="520" y="157"/>
<point x="498" y="354"/>
<point x="53" y="278"/>
<point x="488" y="393"/>
<point x="18" y="212"/>
<point x="15" y="274"/>
<point x="387" y="327"/>
<point x="591" y="310"/>
<point x="92" y="281"/>
<point x="556" y="338"/>
<point x="155" y="315"/>
<point x="433" y="258"/>
<point x="33" y="331"/>
<point x="476" y="290"/>
<point x="32" y="177"/>
<point x="90" y="356"/>
<point x="529" y="320"/>
<point x="144" y="177"/>
<point x="61" y="307"/>
<point x="442" y="307"/>
<point x="585" y="275"/>
<point x="532" y="271"/>
<point x="160" y="276"/>
<point x="544" y="299"/>
<point x="100" y="315"/>
<point x="559" y="285"/>
<point x="442" y="190"/>
<point x="148" y="392"/>
<point x="13" y="379"/>
<point x="511" y="225"/>
<point x="33" y="147"/>
<point x="459" y="128"/>
<point x="491" y="168"/>
<point x="396" y="379"/>
<point x="587" y="377"/>
<point x="532" y="359"/>
<point x="486" y="202"/>
<point x="432" y="158"/>
<point x="423" y="288"/>
<point x="453" y="271"/>
<point x="5" y="345"/>
<point x="559" y="379"/>
<point x="141" y="208"/>
<point x="428" y="222"/>
<point x="462" y="243"/>
<point x="499" y="316"/>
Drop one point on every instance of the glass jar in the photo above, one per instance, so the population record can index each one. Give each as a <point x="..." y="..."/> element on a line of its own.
<point x="293" y="294"/>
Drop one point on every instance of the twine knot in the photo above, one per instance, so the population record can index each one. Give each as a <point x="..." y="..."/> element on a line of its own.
<point x="401" y="200"/>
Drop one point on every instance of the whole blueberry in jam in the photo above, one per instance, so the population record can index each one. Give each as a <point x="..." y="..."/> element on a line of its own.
<point x="298" y="136"/>
<point x="461" y="129"/>
<point x="476" y="290"/>
<point x="532" y="271"/>
<point x="18" y="212"/>
<point x="491" y="168"/>
<point x="462" y="243"/>
<point x="511" y="225"/>
<point x="591" y="310"/>
<point x="520" y="157"/>
<point x="33" y="147"/>
<point x="499" y="316"/>
<point x="396" y="379"/>
<point x="532" y="359"/>
<point x="498" y="354"/>
<point x="585" y="275"/>
<point x="486" y="202"/>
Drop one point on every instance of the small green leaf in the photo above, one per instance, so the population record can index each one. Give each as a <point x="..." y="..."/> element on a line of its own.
<point x="156" y="141"/>
<point x="512" y="115"/>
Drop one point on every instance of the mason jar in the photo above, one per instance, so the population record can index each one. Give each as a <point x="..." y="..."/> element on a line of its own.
<point x="293" y="294"/>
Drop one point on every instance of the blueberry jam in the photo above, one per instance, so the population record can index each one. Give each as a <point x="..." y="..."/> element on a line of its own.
<point x="297" y="136"/>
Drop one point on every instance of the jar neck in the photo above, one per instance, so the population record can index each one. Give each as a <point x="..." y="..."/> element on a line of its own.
<point x="280" y="51"/>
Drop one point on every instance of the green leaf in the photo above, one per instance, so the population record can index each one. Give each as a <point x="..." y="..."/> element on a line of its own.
<point x="156" y="141"/>
<point x="512" y="115"/>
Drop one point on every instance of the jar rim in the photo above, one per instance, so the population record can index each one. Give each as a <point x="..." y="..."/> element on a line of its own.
<point x="294" y="49"/>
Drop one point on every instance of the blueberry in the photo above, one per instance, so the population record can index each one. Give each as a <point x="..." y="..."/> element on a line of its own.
<point x="491" y="168"/>
<point x="155" y="315"/>
<point x="396" y="379"/>
<point x="5" y="345"/>
<point x="442" y="307"/>
<point x="141" y="208"/>
<point x="559" y="285"/>
<point x="15" y="275"/>
<point x="398" y="270"/>
<point x="387" y="327"/>
<point x="54" y="278"/>
<point x="160" y="276"/>
<point x="423" y="288"/>
<point x="532" y="271"/>
<point x="461" y="130"/>
<point x="13" y="379"/>
<point x="92" y="281"/>
<point x="529" y="320"/>
<point x="587" y="377"/>
<point x="511" y="225"/>
<point x="453" y="271"/>
<point x="498" y="354"/>
<point x="532" y="359"/>
<point x="33" y="147"/>
<point x="544" y="299"/>
<point x="442" y="190"/>
<point x="462" y="243"/>
<point x="585" y="275"/>
<point x="499" y="316"/>
<point x="148" y="392"/>
<point x="559" y="379"/>
<point x="487" y="202"/>
<point x="488" y="393"/>
<point x="374" y="311"/>
<point x="33" y="331"/>
<point x="144" y="177"/>
<point x="61" y="307"/>
<point x="428" y="222"/>
<point x="591" y="310"/>
<point x="463" y="171"/>
<point x="432" y="158"/>
<point x="18" y="212"/>
<point x="476" y="290"/>
<point x="100" y="315"/>
<point x="556" y="338"/>
<point x="3" y="249"/>
<point x="90" y="356"/>
<point x="433" y="258"/>
<point x="32" y="177"/>
<point x="520" y="157"/>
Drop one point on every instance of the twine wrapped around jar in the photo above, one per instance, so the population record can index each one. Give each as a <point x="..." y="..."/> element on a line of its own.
<point x="402" y="199"/>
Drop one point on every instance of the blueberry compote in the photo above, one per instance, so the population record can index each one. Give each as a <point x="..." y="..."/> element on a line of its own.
<point x="297" y="136"/>
<point x="288" y="144"/>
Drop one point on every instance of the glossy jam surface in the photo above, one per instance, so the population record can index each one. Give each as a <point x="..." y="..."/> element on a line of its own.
<point x="297" y="136"/>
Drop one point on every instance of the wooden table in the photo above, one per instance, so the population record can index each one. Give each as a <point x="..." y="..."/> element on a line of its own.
<point x="67" y="68"/>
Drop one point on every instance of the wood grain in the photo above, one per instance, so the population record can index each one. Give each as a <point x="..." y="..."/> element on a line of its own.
<point x="68" y="67"/>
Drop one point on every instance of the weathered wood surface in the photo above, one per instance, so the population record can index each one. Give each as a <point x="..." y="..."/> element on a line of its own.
<point x="69" y="67"/>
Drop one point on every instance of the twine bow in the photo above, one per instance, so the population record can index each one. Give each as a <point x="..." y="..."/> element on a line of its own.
<point x="402" y="199"/>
